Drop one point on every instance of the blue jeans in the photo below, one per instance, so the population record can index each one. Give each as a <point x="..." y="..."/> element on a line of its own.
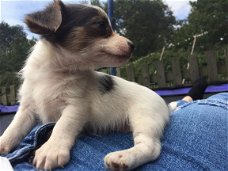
<point x="195" y="139"/>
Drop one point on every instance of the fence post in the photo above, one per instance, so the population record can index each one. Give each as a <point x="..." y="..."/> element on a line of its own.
<point x="118" y="73"/>
<point x="211" y="66"/>
<point x="193" y="68"/>
<point x="4" y="96"/>
<point x="226" y="61"/>
<point x="145" y="74"/>
<point x="130" y="72"/>
<point x="12" y="95"/>
<point x="160" y="74"/>
<point x="177" y="76"/>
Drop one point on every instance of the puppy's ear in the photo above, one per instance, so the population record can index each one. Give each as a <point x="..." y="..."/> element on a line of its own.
<point x="47" y="21"/>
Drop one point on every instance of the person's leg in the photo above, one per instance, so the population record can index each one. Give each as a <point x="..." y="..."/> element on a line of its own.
<point x="195" y="93"/>
<point x="197" y="90"/>
<point x="187" y="99"/>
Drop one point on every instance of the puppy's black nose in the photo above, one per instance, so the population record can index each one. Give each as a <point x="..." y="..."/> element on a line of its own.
<point x="131" y="45"/>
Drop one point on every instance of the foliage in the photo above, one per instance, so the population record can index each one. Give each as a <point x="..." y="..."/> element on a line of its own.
<point x="206" y="16"/>
<point x="97" y="3"/>
<point x="9" y="78"/>
<point x="14" y="48"/>
<point x="149" y="24"/>
<point x="177" y="54"/>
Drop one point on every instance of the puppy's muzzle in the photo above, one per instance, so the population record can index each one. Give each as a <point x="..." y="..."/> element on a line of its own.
<point x="131" y="45"/>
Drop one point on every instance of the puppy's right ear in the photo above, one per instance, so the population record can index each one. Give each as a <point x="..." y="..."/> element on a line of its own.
<point x="47" y="21"/>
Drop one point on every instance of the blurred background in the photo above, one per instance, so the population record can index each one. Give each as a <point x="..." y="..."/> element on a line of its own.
<point x="177" y="41"/>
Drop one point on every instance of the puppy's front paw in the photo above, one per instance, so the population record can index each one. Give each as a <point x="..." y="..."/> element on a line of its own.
<point x="5" y="147"/>
<point x="120" y="160"/>
<point x="51" y="155"/>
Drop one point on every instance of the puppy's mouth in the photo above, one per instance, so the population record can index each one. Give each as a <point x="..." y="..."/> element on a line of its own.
<point x="123" y="56"/>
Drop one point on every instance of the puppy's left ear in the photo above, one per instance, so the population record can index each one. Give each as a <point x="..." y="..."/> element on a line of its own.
<point x="46" y="21"/>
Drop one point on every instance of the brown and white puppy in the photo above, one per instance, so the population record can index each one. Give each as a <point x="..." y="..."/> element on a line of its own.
<point x="60" y="85"/>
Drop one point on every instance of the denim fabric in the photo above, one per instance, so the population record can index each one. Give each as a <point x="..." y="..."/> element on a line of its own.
<point x="195" y="139"/>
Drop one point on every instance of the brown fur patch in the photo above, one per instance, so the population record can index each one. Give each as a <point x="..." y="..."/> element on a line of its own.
<point x="46" y="21"/>
<point x="77" y="39"/>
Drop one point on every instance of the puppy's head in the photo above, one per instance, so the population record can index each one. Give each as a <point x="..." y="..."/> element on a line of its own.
<point x="84" y="31"/>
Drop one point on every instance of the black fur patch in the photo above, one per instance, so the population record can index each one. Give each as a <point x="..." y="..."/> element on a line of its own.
<point x="106" y="84"/>
<point x="58" y="21"/>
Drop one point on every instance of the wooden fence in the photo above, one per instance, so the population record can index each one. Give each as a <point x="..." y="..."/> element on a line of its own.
<point x="156" y="74"/>
<point x="8" y="95"/>
<point x="173" y="73"/>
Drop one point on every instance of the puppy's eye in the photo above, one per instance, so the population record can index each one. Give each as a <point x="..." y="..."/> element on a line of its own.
<point x="101" y="24"/>
<point x="102" y="27"/>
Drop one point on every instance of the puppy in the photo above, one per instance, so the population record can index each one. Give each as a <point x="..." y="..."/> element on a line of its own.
<point x="60" y="85"/>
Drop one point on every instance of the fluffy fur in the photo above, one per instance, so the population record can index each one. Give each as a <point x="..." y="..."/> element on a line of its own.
<point x="60" y="85"/>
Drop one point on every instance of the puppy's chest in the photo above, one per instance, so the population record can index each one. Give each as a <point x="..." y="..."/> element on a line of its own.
<point x="51" y="98"/>
<point x="48" y="102"/>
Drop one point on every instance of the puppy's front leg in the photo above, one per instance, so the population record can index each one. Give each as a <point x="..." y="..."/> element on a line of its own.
<point x="56" y="151"/>
<point x="147" y="129"/>
<point x="22" y="123"/>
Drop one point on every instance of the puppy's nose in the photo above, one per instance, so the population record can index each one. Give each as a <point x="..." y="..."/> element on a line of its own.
<point x="131" y="45"/>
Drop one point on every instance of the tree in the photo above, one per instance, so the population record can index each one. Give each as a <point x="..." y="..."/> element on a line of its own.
<point x="206" y="16"/>
<point x="149" y="24"/>
<point x="97" y="3"/>
<point x="211" y="17"/>
<point x="14" y="48"/>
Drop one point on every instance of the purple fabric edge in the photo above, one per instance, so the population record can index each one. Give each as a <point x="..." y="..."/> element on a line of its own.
<point x="183" y="91"/>
<point x="8" y="109"/>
